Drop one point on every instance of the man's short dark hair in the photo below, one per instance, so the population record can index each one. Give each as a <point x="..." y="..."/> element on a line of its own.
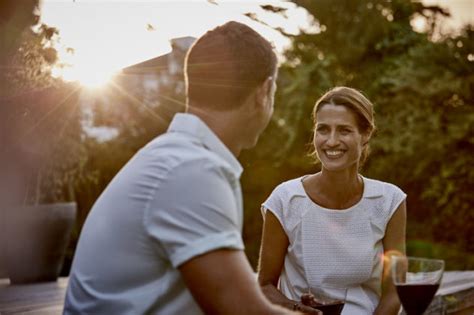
<point x="226" y="64"/>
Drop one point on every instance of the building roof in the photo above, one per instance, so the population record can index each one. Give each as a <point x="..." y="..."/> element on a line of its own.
<point x="154" y="65"/>
<point x="161" y="63"/>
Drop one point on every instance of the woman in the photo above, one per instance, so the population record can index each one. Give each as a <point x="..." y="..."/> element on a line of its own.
<point x="332" y="229"/>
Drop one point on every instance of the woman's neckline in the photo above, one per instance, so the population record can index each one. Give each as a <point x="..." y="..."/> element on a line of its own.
<point x="355" y="205"/>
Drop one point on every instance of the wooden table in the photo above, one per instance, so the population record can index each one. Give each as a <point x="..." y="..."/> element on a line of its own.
<point x="33" y="299"/>
<point x="455" y="296"/>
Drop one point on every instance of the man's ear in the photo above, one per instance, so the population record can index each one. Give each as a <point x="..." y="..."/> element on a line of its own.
<point x="263" y="92"/>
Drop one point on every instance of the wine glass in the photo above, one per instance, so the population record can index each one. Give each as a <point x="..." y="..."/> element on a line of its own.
<point x="416" y="280"/>
<point x="328" y="300"/>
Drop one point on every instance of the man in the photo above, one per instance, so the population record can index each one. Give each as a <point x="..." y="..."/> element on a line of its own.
<point x="165" y="235"/>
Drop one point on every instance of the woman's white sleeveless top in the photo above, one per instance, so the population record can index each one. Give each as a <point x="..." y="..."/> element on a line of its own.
<point x="335" y="248"/>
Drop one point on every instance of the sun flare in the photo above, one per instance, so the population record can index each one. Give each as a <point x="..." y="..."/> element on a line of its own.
<point x="85" y="76"/>
<point x="94" y="79"/>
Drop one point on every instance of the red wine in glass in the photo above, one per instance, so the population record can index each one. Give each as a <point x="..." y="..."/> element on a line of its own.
<point x="416" y="298"/>
<point x="330" y="301"/>
<point x="334" y="308"/>
<point x="416" y="280"/>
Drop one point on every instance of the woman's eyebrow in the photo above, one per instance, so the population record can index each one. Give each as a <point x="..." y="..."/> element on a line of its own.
<point x="339" y="126"/>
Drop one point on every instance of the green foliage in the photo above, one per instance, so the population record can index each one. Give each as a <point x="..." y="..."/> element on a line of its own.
<point x="427" y="116"/>
<point x="33" y="60"/>
<point x="455" y="257"/>
<point x="15" y="18"/>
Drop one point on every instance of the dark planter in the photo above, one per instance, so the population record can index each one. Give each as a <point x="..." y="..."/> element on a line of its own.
<point x="37" y="238"/>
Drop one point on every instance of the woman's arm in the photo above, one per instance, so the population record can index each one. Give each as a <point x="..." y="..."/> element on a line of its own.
<point x="272" y="256"/>
<point x="393" y="244"/>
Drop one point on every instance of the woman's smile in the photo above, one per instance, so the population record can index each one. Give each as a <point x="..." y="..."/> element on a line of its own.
<point x="334" y="154"/>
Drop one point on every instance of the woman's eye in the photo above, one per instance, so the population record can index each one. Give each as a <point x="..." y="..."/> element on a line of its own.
<point x="345" y="131"/>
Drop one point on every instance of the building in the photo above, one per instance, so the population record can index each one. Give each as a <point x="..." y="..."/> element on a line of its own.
<point x="162" y="71"/>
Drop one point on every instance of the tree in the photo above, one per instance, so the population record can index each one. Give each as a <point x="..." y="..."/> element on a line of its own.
<point x="40" y="120"/>
<point x="15" y="18"/>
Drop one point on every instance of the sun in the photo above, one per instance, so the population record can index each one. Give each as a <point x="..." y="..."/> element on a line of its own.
<point x="90" y="72"/>
<point x="89" y="77"/>
<point x="95" y="78"/>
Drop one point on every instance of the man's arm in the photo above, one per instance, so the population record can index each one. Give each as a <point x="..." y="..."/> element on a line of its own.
<point x="394" y="244"/>
<point x="222" y="282"/>
<point x="199" y="233"/>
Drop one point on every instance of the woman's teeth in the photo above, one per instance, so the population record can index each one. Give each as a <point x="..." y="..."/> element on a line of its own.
<point x="334" y="152"/>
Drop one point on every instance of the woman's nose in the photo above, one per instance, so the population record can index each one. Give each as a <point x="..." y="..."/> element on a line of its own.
<point x="333" y="139"/>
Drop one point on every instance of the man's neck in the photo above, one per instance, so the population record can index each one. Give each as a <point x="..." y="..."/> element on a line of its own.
<point x="223" y="124"/>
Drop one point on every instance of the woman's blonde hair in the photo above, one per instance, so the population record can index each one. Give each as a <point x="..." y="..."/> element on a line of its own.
<point x="358" y="104"/>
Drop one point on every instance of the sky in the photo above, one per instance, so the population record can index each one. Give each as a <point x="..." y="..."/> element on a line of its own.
<point x="108" y="35"/>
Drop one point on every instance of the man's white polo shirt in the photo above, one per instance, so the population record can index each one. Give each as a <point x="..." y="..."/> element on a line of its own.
<point x="177" y="198"/>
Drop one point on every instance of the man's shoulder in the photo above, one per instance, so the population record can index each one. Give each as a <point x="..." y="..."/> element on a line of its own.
<point x="180" y="151"/>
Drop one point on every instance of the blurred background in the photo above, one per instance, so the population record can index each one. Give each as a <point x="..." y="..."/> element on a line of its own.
<point x="85" y="84"/>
